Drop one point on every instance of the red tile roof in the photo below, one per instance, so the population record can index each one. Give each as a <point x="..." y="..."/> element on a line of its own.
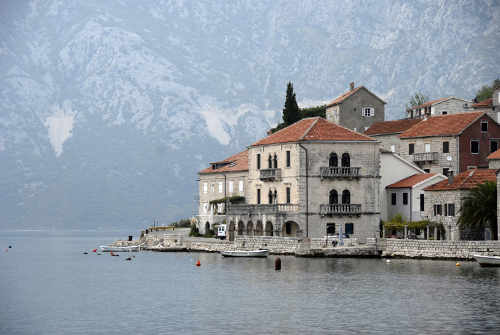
<point x="343" y="96"/>
<point x="313" y="129"/>
<point x="465" y="180"/>
<point x="484" y="103"/>
<point x="238" y="162"/>
<point x="391" y="127"/>
<point x="443" y="125"/>
<point x="411" y="181"/>
<point x="494" y="155"/>
<point x="429" y="103"/>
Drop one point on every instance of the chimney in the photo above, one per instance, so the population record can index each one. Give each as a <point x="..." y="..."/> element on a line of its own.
<point x="450" y="178"/>
<point x="351" y="85"/>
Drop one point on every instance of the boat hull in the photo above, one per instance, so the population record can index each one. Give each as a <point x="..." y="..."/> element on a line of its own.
<point x="246" y="253"/>
<point x="487" y="260"/>
<point x="107" y="248"/>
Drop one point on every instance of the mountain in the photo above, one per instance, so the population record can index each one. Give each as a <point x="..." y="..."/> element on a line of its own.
<point x="109" y="108"/>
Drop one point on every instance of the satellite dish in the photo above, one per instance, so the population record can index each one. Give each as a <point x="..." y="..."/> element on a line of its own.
<point x="449" y="158"/>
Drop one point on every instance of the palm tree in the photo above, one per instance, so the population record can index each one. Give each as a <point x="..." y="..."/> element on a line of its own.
<point x="479" y="209"/>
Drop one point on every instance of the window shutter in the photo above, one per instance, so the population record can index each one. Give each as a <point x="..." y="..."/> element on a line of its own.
<point x="372" y="111"/>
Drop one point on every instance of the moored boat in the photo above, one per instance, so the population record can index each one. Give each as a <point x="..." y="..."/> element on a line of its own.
<point x="108" y="248"/>
<point x="484" y="260"/>
<point x="246" y="253"/>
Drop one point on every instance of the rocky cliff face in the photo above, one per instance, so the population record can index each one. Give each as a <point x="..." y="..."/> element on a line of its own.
<point x="108" y="109"/>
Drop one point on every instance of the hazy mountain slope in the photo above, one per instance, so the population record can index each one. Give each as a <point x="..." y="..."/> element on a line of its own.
<point x="108" y="109"/>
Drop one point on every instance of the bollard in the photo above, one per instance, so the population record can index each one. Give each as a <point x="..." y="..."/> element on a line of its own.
<point x="277" y="264"/>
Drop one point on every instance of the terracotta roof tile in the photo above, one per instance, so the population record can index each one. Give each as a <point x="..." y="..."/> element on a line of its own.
<point x="443" y="125"/>
<point x="391" y="127"/>
<point x="429" y="103"/>
<point x="484" y="103"/>
<point x="238" y="162"/>
<point x="411" y="181"/>
<point x="465" y="180"/>
<point x="494" y="155"/>
<point x="313" y="129"/>
<point x="343" y="96"/>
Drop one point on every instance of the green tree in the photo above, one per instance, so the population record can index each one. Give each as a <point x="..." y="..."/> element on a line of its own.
<point x="479" y="209"/>
<point x="486" y="91"/>
<point x="417" y="99"/>
<point x="291" y="112"/>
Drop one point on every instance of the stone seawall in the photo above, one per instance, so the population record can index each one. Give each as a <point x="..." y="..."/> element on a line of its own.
<point x="437" y="249"/>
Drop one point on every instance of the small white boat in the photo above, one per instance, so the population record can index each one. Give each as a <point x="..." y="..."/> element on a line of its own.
<point x="484" y="260"/>
<point x="246" y="253"/>
<point x="108" y="248"/>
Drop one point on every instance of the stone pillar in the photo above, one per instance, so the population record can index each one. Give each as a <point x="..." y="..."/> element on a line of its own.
<point x="435" y="233"/>
<point x="406" y="232"/>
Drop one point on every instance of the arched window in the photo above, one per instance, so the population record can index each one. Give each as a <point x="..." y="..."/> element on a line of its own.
<point x="346" y="160"/>
<point x="346" y="197"/>
<point x="334" y="161"/>
<point x="330" y="229"/>
<point x="270" y="162"/>
<point x="334" y="197"/>
<point x="275" y="196"/>
<point x="270" y="196"/>
<point x="275" y="160"/>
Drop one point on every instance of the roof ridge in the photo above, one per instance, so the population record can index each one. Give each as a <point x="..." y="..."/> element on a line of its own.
<point x="309" y="129"/>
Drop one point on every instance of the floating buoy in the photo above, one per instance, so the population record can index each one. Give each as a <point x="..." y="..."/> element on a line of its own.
<point x="85" y="253"/>
<point x="128" y="258"/>
<point x="10" y="247"/>
<point x="458" y="264"/>
<point x="277" y="264"/>
<point x="198" y="263"/>
<point x="387" y="260"/>
<point x="95" y="250"/>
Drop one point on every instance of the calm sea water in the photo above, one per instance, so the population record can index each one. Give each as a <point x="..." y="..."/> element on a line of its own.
<point x="47" y="286"/>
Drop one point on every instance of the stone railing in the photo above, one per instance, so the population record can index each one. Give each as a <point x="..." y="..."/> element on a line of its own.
<point x="262" y="209"/>
<point x="339" y="172"/>
<point x="340" y="209"/>
<point x="425" y="157"/>
<point x="270" y="174"/>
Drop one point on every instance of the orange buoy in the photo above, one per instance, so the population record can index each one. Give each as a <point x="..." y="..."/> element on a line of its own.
<point x="198" y="263"/>
<point x="95" y="250"/>
<point x="458" y="264"/>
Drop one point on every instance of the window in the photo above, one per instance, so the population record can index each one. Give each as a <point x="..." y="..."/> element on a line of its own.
<point x="484" y="126"/>
<point x="288" y="158"/>
<point x="446" y="147"/>
<point x="444" y="113"/>
<point x="330" y="229"/>
<point x="474" y="146"/>
<point x="438" y="210"/>
<point x="393" y="148"/>
<point x="393" y="199"/>
<point x="205" y="188"/>
<point x="368" y="111"/>
<point x="427" y="170"/>
<point x="258" y="161"/>
<point x="346" y="197"/>
<point x="346" y="160"/>
<point x="231" y="186"/>
<point x="411" y="148"/>
<point x="275" y="197"/>
<point x="446" y="171"/>
<point x="212" y="188"/>
<point x="405" y="198"/>
<point x="288" y="195"/>
<point x="493" y="146"/>
<point x="270" y="197"/>
<point x="240" y="186"/>
<point x="422" y="202"/>
<point x="333" y="198"/>
<point x="270" y="162"/>
<point x="451" y="209"/>
<point x="427" y="147"/>
<point x="220" y="187"/>
<point x="275" y="160"/>
<point x="258" y="196"/>
<point x="349" y="228"/>
<point x="333" y="161"/>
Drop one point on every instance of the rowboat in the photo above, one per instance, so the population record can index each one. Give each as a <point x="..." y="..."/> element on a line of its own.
<point x="246" y="253"/>
<point x="108" y="248"/>
<point x="487" y="260"/>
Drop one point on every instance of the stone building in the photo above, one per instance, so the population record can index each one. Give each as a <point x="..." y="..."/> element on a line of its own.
<point x="494" y="163"/>
<point x="442" y="106"/>
<point x="451" y="143"/>
<point x="445" y="200"/>
<point x="490" y="106"/>
<point x="387" y="132"/>
<point x="407" y="197"/>
<point x="311" y="179"/>
<point x="357" y="109"/>
<point x="221" y="181"/>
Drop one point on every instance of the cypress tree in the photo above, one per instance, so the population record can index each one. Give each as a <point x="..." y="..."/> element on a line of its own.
<point x="291" y="112"/>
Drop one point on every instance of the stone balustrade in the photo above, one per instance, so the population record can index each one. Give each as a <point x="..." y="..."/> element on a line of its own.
<point x="340" y="209"/>
<point x="270" y="174"/>
<point x="339" y="172"/>
<point x="235" y="209"/>
<point x="425" y="157"/>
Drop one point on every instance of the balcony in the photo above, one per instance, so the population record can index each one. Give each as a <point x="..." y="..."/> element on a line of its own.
<point x="339" y="172"/>
<point x="270" y="174"/>
<point x="425" y="157"/>
<point x="340" y="209"/>
<point x="262" y="209"/>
